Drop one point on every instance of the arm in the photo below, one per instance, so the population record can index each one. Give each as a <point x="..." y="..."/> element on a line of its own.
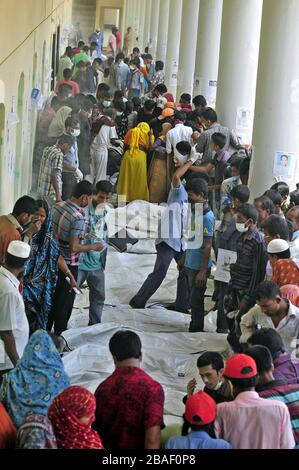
<point x="203" y="169"/>
<point x="10" y="346"/>
<point x="76" y="247"/>
<point x="176" y="179"/>
<point x="152" y="438"/>
<point x="55" y="174"/>
<point x="234" y="141"/>
<point x="201" y="277"/>
<point x="68" y="167"/>
<point x="247" y="325"/>
<point x="66" y="271"/>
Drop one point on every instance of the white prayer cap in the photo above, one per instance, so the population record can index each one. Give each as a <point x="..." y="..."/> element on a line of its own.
<point x="19" y="249"/>
<point x="277" y="246"/>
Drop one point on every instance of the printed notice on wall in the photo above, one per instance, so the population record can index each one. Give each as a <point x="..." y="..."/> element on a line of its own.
<point x="224" y="260"/>
<point x="174" y="66"/>
<point x="244" y="118"/>
<point x="173" y="79"/>
<point x="284" y="165"/>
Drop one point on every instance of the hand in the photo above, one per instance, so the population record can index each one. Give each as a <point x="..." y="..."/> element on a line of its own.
<point x="201" y="278"/>
<point x="195" y="135"/>
<point x="73" y="284"/>
<point x="34" y="228"/>
<point x="79" y="174"/>
<point x="98" y="246"/>
<point x="58" y="198"/>
<point x="194" y="156"/>
<point x="180" y="264"/>
<point x="190" y="387"/>
<point x="178" y="163"/>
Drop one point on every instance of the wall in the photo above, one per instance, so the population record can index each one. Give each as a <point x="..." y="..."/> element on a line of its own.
<point x="26" y="29"/>
<point x="84" y="13"/>
<point x="102" y="4"/>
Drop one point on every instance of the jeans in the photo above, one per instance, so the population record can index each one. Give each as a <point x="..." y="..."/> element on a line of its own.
<point x="197" y="300"/>
<point x="69" y="180"/>
<point x="96" y="283"/>
<point x="165" y="254"/>
<point x="63" y="302"/>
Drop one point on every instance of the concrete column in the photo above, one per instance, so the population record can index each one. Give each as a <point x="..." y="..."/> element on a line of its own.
<point x="207" y="51"/>
<point x="163" y="29"/>
<point x="276" y="121"/>
<point x="188" y="46"/>
<point x="141" y="25"/>
<point x="240" y="39"/>
<point x="136" y="13"/>
<point x="124" y="18"/>
<point x="147" y="22"/>
<point x="173" y="45"/>
<point x="154" y="27"/>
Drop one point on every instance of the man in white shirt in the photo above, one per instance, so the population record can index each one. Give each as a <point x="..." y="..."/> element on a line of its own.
<point x="14" y="327"/>
<point x="178" y="134"/>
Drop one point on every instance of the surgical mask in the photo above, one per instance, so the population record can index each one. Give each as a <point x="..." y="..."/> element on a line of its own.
<point x="76" y="133"/>
<point x="242" y="228"/>
<point x="89" y="115"/>
<point x="106" y="104"/>
<point x="217" y="386"/>
<point x="119" y="113"/>
<point x="132" y="68"/>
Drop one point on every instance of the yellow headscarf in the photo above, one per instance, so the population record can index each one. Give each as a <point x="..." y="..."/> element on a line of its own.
<point x="139" y="136"/>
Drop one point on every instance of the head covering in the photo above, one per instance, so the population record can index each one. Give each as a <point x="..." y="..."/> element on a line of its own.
<point x="57" y="126"/>
<point x="277" y="246"/>
<point x="291" y="293"/>
<point x="40" y="276"/>
<point x="65" y="413"/>
<point x="139" y="133"/>
<point x="7" y="430"/>
<point x="19" y="249"/>
<point x="200" y="405"/>
<point x="169" y="97"/>
<point x="36" y="432"/>
<point x="240" y="366"/>
<point x="38" y="377"/>
<point x="168" y="112"/>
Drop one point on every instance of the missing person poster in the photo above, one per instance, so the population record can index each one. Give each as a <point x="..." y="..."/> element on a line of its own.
<point x="224" y="260"/>
<point x="285" y="165"/>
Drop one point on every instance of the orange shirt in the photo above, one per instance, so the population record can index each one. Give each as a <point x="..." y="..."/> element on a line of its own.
<point x="285" y="271"/>
<point x="8" y="233"/>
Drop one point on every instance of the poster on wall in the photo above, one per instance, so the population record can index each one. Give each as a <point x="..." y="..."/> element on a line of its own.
<point x="244" y="119"/>
<point x="211" y="91"/>
<point x="174" y="66"/>
<point x="284" y="165"/>
<point x="224" y="260"/>
<point x="173" y="79"/>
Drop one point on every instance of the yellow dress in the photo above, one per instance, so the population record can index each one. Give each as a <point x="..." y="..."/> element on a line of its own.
<point x="132" y="182"/>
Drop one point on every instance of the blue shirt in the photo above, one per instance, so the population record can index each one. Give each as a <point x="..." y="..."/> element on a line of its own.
<point x="71" y="157"/>
<point x="196" y="440"/>
<point x="96" y="232"/>
<point x="194" y="256"/>
<point x="295" y="236"/>
<point x="173" y="220"/>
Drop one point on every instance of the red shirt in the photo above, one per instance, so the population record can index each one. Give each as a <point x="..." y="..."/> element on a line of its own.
<point x="74" y="85"/>
<point x="118" y="41"/>
<point x="128" y="403"/>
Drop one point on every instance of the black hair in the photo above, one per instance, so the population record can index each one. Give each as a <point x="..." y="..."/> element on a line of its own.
<point x="269" y="338"/>
<point x="136" y="103"/>
<point x="64" y="87"/>
<point x="71" y="121"/>
<point x="67" y="73"/>
<point x="275" y="225"/>
<point x="65" y="139"/>
<point x="266" y="204"/>
<point x="103" y="87"/>
<point x="129" y="107"/>
<point x="183" y="147"/>
<point x="98" y="61"/>
<point x="120" y="56"/>
<point x="55" y="101"/>
<point x="180" y="116"/>
<point x="244" y="384"/>
<point x="14" y="262"/>
<point x="94" y="44"/>
<point x="86" y="48"/>
<point x="84" y="188"/>
<point x="136" y="49"/>
<point x="286" y="254"/>
<point x="41" y="203"/>
<point x="296" y="210"/>
<point x="267" y="290"/>
<point x="68" y="49"/>
<point x="24" y="205"/>
<point x="186" y="97"/>
<point x="104" y="187"/>
<point x="262" y="357"/>
<point x="198" y="186"/>
<point x="209" y="114"/>
<point x="244" y="166"/>
<point x="148" y="57"/>
<point x="291" y="229"/>
<point x="149" y="105"/>
<point x="282" y="188"/>
<point x="211" y="358"/>
<point x="235" y="161"/>
<point x="275" y="196"/>
<point x="124" y="345"/>
<point x="241" y="192"/>
<point x="88" y="102"/>
<point x="199" y="100"/>
<point x="118" y="94"/>
<point x="81" y="43"/>
<point x="119" y="105"/>
<point x="219" y="139"/>
<point x="248" y="211"/>
<point x="136" y="61"/>
<point x="294" y="196"/>
<point x="161" y="88"/>
<point x="208" y="428"/>
<point x="159" y="65"/>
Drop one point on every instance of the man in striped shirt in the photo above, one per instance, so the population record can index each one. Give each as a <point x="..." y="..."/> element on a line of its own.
<point x="268" y="387"/>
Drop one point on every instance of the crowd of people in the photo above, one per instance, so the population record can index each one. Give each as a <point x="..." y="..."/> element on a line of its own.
<point x="97" y="136"/>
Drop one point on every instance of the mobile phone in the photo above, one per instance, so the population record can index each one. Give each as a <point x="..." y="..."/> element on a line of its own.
<point x="77" y="291"/>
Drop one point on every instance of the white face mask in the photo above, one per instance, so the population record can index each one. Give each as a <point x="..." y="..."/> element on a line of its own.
<point x="89" y="115"/>
<point x="76" y="133"/>
<point x="119" y="113"/>
<point x="106" y="104"/>
<point x="242" y="228"/>
<point x="132" y="68"/>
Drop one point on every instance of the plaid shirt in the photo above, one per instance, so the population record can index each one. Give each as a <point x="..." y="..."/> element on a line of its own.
<point x="52" y="159"/>
<point x="68" y="222"/>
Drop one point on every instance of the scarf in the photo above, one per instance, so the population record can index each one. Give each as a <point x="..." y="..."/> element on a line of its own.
<point x="139" y="136"/>
<point x="290" y="292"/>
<point x="65" y="413"/>
<point x="40" y="274"/>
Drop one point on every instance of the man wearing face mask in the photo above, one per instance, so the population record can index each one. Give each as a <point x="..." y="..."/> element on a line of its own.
<point x="71" y="173"/>
<point x="250" y="267"/>
<point x="69" y="228"/>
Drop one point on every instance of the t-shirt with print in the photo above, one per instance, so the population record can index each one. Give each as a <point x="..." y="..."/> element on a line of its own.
<point x="194" y="256"/>
<point x="129" y="402"/>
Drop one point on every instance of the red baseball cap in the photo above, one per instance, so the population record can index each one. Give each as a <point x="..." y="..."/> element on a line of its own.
<point x="240" y="366"/>
<point x="200" y="406"/>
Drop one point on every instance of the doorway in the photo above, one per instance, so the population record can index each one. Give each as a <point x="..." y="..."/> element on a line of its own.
<point x="110" y="17"/>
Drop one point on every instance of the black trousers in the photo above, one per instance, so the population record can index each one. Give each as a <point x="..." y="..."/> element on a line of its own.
<point x="62" y="303"/>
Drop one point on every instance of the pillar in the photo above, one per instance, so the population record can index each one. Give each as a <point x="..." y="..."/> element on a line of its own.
<point x="240" y="39"/>
<point x="154" y="27"/>
<point x="207" y="51"/>
<point x="163" y="29"/>
<point x="147" y="22"/>
<point x="136" y="13"/>
<point x="141" y="25"/>
<point x="188" y="46"/>
<point x="173" y="45"/>
<point x="276" y="119"/>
